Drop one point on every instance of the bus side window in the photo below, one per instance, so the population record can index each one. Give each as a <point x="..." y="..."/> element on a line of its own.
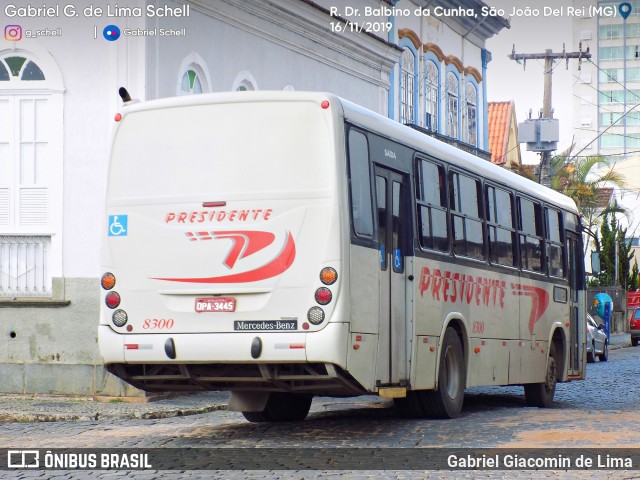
<point x="432" y="206"/>
<point x="531" y="231"/>
<point x="555" y="245"/>
<point x="360" y="185"/>
<point x="500" y="226"/>
<point x="466" y="216"/>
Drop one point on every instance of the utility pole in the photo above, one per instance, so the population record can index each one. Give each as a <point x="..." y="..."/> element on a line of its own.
<point x="544" y="135"/>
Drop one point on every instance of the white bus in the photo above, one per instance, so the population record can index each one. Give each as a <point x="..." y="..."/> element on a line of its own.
<point x="282" y="245"/>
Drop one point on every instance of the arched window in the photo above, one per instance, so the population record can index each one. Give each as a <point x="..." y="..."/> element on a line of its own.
<point x="19" y="68"/>
<point x="452" y="105"/>
<point x="472" y="114"/>
<point x="245" y="87"/>
<point x="193" y="76"/>
<point x="432" y="95"/>
<point x="190" y="82"/>
<point x="244" y="82"/>
<point x="407" y="87"/>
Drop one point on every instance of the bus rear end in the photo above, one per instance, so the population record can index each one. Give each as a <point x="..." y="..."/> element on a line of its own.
<point x="222" y="257"/>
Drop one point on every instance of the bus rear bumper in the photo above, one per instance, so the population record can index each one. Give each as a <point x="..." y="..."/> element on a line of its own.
<point x="326" y="345"/>
<point x="295" y="361"/>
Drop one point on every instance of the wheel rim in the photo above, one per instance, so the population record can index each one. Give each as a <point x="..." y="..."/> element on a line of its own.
<point x="453" y="373"/>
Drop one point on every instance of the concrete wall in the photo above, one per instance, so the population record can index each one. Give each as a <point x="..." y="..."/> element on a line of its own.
<point x="51" y="348"/>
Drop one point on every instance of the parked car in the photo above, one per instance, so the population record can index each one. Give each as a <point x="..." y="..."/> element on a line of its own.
<point x="634" y="327"/>
<point x="597" y="345"/>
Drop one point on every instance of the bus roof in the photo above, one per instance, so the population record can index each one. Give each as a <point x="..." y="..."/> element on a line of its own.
<point x="378" y="124"/>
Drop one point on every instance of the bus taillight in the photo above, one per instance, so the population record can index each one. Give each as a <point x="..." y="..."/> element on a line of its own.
<point x="119" y="318"/>
<point x="328" y="276"/>
<point x="108" y="281"/>
<point x="323" y="295"/>
<point x="315" y="315"/>
<point x="112" y="300"/>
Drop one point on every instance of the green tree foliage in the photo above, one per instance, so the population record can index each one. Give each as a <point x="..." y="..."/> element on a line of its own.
<point x="632" y="286"/>
<point x="581" y="180"/>
<point x="611" y="233"/>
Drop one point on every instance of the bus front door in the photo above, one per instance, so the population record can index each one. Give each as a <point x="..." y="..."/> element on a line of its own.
<point x="393" y="215"/>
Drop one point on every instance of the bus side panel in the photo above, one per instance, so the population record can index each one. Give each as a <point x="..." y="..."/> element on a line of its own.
<point x="486" y="305"/>
<point x="484" y="299"/>
<point x="423" y="375"/>
<point x="364" y="271"/>
<point x="364" y="288"/>
<point x="361" y="356"/>
<point x="489" y="362"/>
<point x="540" y="313"/>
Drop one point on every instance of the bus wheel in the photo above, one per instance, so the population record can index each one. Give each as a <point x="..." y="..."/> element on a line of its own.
<point x="410" y="406"/>
<point x="446" y="401"/>
<point x="541" y="394"/>
<point x="282" y="407"/>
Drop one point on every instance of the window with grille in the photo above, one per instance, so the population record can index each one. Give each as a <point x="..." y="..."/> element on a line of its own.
<point x="408" y="74"/>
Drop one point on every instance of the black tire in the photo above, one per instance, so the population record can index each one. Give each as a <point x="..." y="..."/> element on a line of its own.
<point x="446" y="401"/>
<point x="634" y="341"/>
<point x="605" y="352"/>
<point x="410" y="406"/>
<point x="257" y="417"/>
<point x="541" y="394"/>
<point x="282" y="407"/>
<point x="591" y="358"/>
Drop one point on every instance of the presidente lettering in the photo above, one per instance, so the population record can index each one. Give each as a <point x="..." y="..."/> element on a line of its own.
<point x="213" y="216"/>
<point x="455" y="287"/>
<point x="462" y="288"/>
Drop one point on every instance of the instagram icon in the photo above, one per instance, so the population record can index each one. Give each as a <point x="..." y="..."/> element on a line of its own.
<point x="12" y="33"/>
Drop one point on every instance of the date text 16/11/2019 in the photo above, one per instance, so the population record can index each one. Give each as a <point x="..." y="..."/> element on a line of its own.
<point x="358" y="27"/>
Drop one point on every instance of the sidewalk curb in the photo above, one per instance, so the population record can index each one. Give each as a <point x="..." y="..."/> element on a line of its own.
<point x="44" y="408"/>
<point x="13" y="417"/>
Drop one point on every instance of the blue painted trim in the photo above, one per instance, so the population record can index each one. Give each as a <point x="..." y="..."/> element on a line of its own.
<point x="391" y="37"/>
<point x="431" y="57"/>
<point x="486" y="58"/>
<point x="406" y="43"/>
<point x="470" y="80"/>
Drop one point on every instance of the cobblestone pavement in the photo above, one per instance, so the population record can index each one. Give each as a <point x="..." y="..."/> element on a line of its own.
<point x="601" y="412"/>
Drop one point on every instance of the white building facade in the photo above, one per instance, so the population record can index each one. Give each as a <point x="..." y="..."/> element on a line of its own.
<point x="58" y="95"/>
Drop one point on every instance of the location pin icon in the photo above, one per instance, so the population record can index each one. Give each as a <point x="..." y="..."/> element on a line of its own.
<point x="625" y="9"/>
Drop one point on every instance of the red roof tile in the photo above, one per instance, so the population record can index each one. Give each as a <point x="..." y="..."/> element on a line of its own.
<point x="499" y="116"/>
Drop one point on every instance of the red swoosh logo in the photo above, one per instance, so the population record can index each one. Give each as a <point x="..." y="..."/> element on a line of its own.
<point x="275" y="267"/>
<point x="244" y="244"/>
<point x="540" y="301"/>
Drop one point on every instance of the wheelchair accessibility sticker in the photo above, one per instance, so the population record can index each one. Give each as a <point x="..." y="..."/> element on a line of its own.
<point x="118" y="225"/>
<point x="397" y="259"/>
